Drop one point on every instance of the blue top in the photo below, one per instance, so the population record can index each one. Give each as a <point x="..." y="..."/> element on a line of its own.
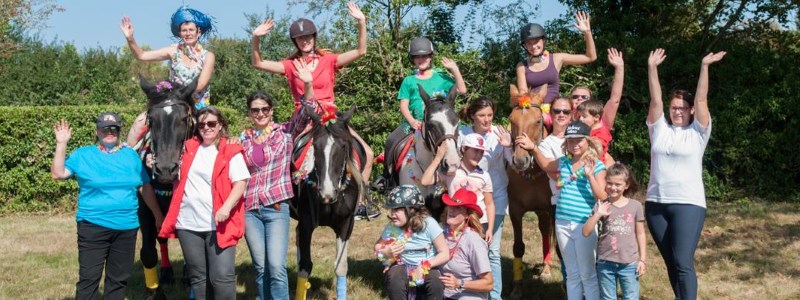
<point x="108" y="184"/>
<point x="576" y="199"/>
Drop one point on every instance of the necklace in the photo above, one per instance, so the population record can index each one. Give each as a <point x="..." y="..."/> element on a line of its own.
<point x="111" y="150"/>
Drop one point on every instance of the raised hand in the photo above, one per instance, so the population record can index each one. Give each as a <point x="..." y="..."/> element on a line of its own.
<point x="656" y="57"/>
<point x="264" y="28"/>
<point x="615" y="58"/>
<point x="503" y="136"/>
<point x="355" y="12"/>
<point x="62" y="131"/>
<point x="127" y="27"/>
<point x="302" y="70"/>
<point x="582" y="22"/>
<point x="713" y="57"/>
<point x="602" y="208"/>
<point x="449" y="64"/>
<point x="588" y="167"/>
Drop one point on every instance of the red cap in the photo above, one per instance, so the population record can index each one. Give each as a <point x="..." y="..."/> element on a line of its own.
<point x="463" y="197"/>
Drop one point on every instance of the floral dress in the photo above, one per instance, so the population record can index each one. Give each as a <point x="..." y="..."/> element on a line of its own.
<point x="182" y="74"/>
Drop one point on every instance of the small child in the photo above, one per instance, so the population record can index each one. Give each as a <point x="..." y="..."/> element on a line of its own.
<point x="591" y="113"/>
<point x="621" y="246"/>
<point x="411" y="247"/>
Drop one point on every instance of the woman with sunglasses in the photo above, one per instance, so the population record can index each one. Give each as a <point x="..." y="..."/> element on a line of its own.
<point x="540" y="67"/>
<point x="675" y="209"/>
<point x="205" y="213"/>
<point x="109" y="175"/>
<point x="268" y="153"/>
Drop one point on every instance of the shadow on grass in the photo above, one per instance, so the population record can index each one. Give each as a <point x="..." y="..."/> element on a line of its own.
<point x="533" y="286"/>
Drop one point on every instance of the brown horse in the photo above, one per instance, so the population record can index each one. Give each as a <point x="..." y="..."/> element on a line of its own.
<point x="528" y="188"/>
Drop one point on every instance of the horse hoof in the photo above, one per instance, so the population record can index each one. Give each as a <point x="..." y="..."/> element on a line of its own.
<point x="165" y="276"/>
<point x="516" y="293"/>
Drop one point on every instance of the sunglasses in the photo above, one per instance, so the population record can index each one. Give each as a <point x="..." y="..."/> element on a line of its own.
<point x="264" y="110"/>
<point x="210" y="124"/>
<point x="557" y="111"/>
<point x="584" y="97"/>
<point x="110" y="130"/>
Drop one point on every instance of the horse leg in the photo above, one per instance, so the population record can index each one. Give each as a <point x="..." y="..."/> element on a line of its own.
<point x="340" y="267"/>
<point x="304" y="232"/>
<point x="519" y="251"/>
<point x="545" y="228"/>
<point x="147" y="253"/>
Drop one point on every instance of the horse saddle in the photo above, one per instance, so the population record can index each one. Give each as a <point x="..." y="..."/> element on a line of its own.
<point x="393" y="157"/>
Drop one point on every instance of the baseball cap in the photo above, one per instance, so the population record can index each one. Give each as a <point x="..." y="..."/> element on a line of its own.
<point x="109" y="119"/>
<point x="474" y="140"/>
<point x="577" y="129"/>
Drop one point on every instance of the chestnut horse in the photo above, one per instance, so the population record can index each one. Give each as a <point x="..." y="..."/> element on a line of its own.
<point x="528" y="188"/>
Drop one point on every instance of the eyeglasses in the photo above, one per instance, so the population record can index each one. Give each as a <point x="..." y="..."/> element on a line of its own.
<point x="584" y="97"/>
<point x="110" y="130"/>
<point x="557" y="111"/>
<point x="264" y="110"/>
<point x="677" y="108"/>
<point x="210" y="124"/>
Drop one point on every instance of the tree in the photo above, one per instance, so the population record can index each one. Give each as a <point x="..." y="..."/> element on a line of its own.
<point x="18" y="16"/>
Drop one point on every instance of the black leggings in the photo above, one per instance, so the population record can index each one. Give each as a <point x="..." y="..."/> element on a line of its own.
<point x="396" y="282"/>
<point x="147" y="223"/>
<point x="676" y="230"/>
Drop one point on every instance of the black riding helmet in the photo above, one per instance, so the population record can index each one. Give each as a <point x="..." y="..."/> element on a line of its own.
<point x="406" y="195"/>
<point x="302" y="27"/>
<point x="530" y="31"/>
<point x="420" y="46"/>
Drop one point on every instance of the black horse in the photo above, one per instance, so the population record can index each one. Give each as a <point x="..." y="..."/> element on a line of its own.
<point x="170" y="124"/>
<point x="328" y="196"/>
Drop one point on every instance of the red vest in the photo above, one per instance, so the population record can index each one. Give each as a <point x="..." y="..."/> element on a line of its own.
<point x="231" y="230"/>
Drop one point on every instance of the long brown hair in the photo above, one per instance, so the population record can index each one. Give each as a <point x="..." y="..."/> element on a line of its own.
<point x="466" y="112"/>
<point x="620" y="169"/>
<point x="416" y="218"/>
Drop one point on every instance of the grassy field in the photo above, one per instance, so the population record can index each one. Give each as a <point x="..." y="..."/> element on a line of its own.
<point x="749" y="250"/>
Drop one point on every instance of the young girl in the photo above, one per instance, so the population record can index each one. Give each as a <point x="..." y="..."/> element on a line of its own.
<point x="469" y="175"/>
<point x="411" y="246"/>
<point x="621" y="246"/>
<point x="434" y="81"/>
<point x="581" y="182"/>
<point x="468" y="274"/>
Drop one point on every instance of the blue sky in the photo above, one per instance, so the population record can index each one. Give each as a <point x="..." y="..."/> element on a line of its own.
<point x="93" y="23"/>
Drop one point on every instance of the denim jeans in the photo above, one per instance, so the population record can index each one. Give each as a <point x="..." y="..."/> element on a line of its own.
<point x="267" y="235"/>
<point x="607" y="274"/>
<point x="579" y="259"/>
<point x="494" y="256"/>
<point x="676" y="230"/>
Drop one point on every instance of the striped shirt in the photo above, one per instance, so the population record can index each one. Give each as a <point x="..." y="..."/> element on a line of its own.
<point x="576" y="199"/>
<point x="270" y="180"/>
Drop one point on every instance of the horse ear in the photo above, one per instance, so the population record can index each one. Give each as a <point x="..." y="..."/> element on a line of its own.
<point x="311" y="113"/>
<point x="542" y="93"/>
<point x="452" y="94"/>
<point x="147" y="87"/>
<point x="345" y="116"/>
<point x="186" y="91"/>
<point x="514" y="99"/>
<point x="423" y="94"/>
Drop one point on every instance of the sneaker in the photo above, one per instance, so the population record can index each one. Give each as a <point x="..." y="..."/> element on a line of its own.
<point x="379" y="184"/>
<point x="361" y="212"/>
<point x="373" y="213"/>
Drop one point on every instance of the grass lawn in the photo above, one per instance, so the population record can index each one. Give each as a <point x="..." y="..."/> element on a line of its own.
<point x="749" y="250"/>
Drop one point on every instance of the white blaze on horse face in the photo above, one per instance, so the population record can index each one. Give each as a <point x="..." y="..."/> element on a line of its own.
<point x="451" y="159"/>
<point x="168" y="109"/>
<point x="327" y="187"/>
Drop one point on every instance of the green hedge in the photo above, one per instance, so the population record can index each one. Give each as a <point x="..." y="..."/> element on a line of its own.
<point x="27" y="144"/>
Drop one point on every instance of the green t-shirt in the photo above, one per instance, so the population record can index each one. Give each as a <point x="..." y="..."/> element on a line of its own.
<point x="439" y="82"/>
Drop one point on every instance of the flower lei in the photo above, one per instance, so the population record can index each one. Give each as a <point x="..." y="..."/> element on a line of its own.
<point x="252" y="133"/>
<point x="524" y="101"/>
<point x="456" y="236"/>
<point x="417" y="274"/>
<point x="393" y="236"/>
<point x="109" y="151"/>
<point x="163" y="85"/>
<point x="574" y="176"/>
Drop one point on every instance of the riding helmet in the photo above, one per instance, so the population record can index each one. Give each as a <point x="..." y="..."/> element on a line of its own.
<point x="406" y="195"/>
<point x="302" y="27"/>
<point x="531" y="31"/>
<point x="420" y="46"/>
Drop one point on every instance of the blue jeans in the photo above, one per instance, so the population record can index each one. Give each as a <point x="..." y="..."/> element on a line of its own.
<point x="607" y="274"/>
<point x="267" y="235"/>
<point x="494" y="256"/>
<point x="676" y="230"/>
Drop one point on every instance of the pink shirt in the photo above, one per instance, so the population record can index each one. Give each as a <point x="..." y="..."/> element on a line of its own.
<point x="324" y="78"/>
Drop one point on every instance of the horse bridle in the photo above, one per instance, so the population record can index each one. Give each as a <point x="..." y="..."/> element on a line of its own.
<point x="541" y="127"/>
<point x="168" y="103"/>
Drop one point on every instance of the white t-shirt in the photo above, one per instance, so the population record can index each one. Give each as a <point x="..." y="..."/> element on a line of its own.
<point x="551" y="148"/>
<point x="494" y="162"/>
<point x="197" y="204"/>
<point x="676" y="163"/>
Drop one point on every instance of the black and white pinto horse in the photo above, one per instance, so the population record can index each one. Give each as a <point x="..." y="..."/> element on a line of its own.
<point x="440" y="125"/>
<point x="328" y="196"/>
<point x="170" y="124"/>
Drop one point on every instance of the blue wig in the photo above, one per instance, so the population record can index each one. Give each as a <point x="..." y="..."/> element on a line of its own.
<point x="205" y="23"/>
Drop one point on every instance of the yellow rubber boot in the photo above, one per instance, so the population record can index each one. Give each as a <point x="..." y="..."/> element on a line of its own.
<point x="150" y="278"/>
<point x="302" y="288"/>
<point x="517" y="268"/>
